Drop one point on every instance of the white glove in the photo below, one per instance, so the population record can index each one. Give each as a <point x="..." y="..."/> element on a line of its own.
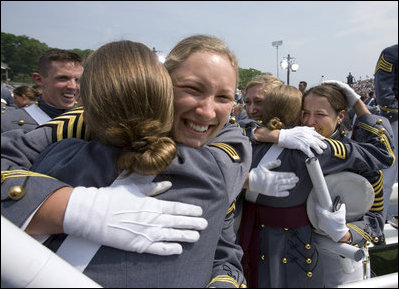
<point x="124" y="218"/>
<point x="351" y="96"/>
<point x="265" y="182"/>
<point x="332" y="223"/>
<point x="302" y="138"/>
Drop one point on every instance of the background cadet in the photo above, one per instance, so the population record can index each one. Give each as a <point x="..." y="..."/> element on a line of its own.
<point x="25" y="95"/>
<point x="386" y="93"/>
<point x="254" y="94"/>
<point x="58" y="78"/>
<point x="302" y="86"/>
<point x="6" y="94"/>
<point x="322" y="110"/>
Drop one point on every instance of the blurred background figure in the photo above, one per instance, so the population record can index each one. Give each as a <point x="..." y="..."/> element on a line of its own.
<point x="302" y="86"/>
<point x="25" y="95"/>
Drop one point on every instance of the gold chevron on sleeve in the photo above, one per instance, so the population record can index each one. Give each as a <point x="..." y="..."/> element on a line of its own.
<point x="338" y="148"/>
<point x="383" y="65"/>
<point x="68" y="125"/>
<point x="378" y="204"/>
<point x="21" y="174"/>
<point x="383" y="138"/>
<point x="232" y="208"/>
<point x="224" y="278"/>
<point x="227" y="149"/>
<point x="362" y="233"/>
<point x="378" y="185"/>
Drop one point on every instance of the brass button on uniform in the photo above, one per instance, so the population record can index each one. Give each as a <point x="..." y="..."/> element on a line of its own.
<point x="376" y="239"/>
<point x="307" y="246"/>
<point x="262" y="257"/>
<point x="309" y="274"/>
<point x="308" y="260"/>
<point x="243" y="285"/>
<point x="284" y="260"/>
<point x="21" y="122"/>
<point x="16" y="192"/>
<point x="379" y="121"/>
<point x="285" y="229"/>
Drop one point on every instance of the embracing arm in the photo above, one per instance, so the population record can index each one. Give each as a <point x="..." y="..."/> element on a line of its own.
<point x="49" y="217"/>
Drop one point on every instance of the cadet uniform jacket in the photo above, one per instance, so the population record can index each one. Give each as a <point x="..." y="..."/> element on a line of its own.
<point x="20" y="118"/>
<point x="210" y="176"/>
<point x="386" y="82"/>
<point x="276" y="234"/>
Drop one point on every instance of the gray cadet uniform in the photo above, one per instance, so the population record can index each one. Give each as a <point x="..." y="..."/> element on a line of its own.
<point x="386" y="93"/>
<point x="210" y="176"/>
<point x="28" y="118"/>
<point x="276" y="234"/>
<point x="386" y="82"/>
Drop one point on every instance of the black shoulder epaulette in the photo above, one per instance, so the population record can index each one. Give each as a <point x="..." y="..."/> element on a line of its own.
<point x="68" y="125"/>
<point x="227" y="149"/>
<point x="339" y="150"/>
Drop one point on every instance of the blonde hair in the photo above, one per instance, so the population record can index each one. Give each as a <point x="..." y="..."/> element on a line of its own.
<point x="198" y="43"/>
<point x="282" y="107"/>
<point x="128" y="100"/>
<point x="266" y="80"/>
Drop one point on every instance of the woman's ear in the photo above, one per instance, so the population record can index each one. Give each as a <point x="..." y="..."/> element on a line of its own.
<point x="341" y="116"/>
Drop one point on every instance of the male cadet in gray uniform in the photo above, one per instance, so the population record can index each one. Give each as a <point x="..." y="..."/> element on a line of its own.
<point x="386" y="92"/>
<point x="58" y="76"/>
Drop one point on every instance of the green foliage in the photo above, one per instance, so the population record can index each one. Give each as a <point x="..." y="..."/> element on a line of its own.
<point x="246" y="75"/>
<point x="22" y="53"/>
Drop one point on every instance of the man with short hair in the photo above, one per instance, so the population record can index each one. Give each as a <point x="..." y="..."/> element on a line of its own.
<point x="58" y="77"/>
<point x="302" y="86"/>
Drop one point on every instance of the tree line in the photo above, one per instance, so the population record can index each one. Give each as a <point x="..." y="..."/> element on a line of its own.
<point x="21" y="54"/>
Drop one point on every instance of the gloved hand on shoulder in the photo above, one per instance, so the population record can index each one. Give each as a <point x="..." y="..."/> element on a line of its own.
<point x="263" y="181"/>
<point x="123" y="217"/>
<point x="302" y="138"/>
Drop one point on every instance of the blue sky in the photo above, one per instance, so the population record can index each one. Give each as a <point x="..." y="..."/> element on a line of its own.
<point x="327" y="38"/>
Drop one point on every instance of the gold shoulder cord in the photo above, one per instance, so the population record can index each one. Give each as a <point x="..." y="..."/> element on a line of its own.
<point x="227" y="149"/>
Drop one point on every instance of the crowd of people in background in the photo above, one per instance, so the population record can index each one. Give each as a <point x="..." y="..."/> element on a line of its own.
<point x="219" y="172"/>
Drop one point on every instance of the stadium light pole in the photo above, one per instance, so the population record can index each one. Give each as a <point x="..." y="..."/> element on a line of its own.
<point x="277" y="44"/>
<point x="289" y="64"/>
<point x="161" y="57"/>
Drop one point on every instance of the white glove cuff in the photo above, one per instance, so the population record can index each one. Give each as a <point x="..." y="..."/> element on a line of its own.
<point x="282" y="138"/>
<point x="339" y="233"/>
<point x="251" y="194"/>
<point x="79" y="208"/>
